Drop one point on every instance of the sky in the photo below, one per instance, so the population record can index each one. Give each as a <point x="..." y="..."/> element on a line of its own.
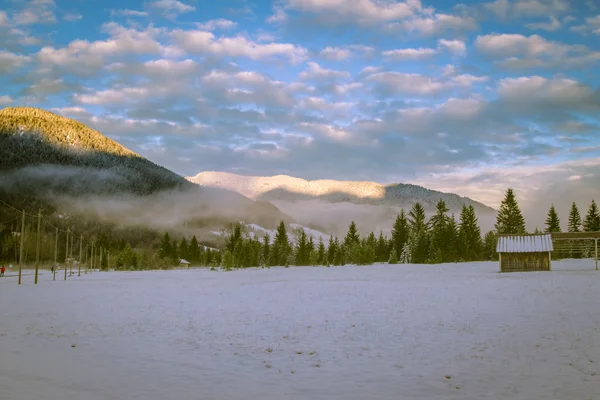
<point x="470" y="98"/>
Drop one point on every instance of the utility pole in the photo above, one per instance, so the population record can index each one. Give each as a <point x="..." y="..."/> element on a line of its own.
<point x="55" y="256"/>
<point x="21" y="249"/>
<point x="37" y="247"/>
<point x="71" y="257"/>
<point x="87" y="250"/>
<point x="92" y="256"/>
<point x="67" y="253"/>
<point x="80" y="254"/>
<point x="596" y="252"/>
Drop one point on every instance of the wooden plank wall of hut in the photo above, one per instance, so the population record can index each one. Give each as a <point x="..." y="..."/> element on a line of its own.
<point x="524" y="262"/>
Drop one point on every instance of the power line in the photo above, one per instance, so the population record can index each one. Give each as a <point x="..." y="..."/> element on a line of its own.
<point x="30" y="215"/>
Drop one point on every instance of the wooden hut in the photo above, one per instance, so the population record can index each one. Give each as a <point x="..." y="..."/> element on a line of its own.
<point x="521" y="253"/>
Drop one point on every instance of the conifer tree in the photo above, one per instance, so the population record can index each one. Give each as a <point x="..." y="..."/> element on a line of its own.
<point x="281" y="249"/>
<point x="352" y="237"/>
<point x="303" y="250"/>
<point x="489" y="246"/>
<point x="393" y="257"/>
<point x="509" y="219"/>
<point x="331" y="250"/>
<point x="227" y="261"/>
<point x="165" y="250"/>
<point x="552" y="221"/>
<point x="469" y="235"/>
<point x="592" y="218"/>
<point x="574" y="219"/>
<point x="451" y="253"/>
<point x="194" y="251"/>
<point x="400" y="233"/>
<point x="183" y="250"/>
<point x="266" y="247"/>
<point x="340" y="253"/>
<point x="418" y="234"/>
<point x="438" y="225"/>
<point x="381" y="255"/>
<point x="321" y="254"/>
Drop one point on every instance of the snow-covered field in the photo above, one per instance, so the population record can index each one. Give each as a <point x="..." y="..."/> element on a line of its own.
<point x="454" y="331"/>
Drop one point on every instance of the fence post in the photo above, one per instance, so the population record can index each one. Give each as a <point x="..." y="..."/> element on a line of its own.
<point x="596" y="252"/>
<point x="21" y="248"/>
<point x="37" y="247"/>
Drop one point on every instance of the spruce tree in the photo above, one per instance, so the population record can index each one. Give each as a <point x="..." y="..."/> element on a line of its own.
<point x="302" y="249"/>
<point x="281" y="249"/>
<point x="552" y="221"/>
<point x="194" y="251"/>
<point x="321" y="253"/>
<point x="592" y="218"/>
<point x="266" y="247"/>
<point x="438" y="225"/>
<point x="331" y="250"/>
<point x="451" y="253"/>
<point x="509" y="219"/>
<point x="489" y="246"/>
<point x="164" y="250"/>
<point x="382" y="253"/>
<point x="400" y="233"/>
<point x="418" y="234"/>
<point x="352" y="237"/>
<point x="393" y="257"/>
<point x="184" y="249"/>
<point x="574" y="219"/>
<point x="470" y="245"/>
<point x="227" y="261"/>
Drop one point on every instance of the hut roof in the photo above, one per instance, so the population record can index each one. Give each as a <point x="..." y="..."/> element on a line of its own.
<point x="182" y="261"/>
<point x="525" y="244"/>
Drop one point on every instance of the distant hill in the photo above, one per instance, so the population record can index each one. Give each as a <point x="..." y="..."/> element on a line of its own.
<point x="333" y="204"/>
<point x="46" y="158"/>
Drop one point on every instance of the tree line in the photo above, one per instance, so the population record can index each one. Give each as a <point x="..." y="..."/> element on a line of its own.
<point x="414" y="238"/>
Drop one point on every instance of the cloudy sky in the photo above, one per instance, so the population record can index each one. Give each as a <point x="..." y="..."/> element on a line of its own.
<point x="469" y="98"/>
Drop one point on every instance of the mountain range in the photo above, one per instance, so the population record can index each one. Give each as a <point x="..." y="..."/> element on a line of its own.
<point x="331" y="204"/>
<point x="59" y="164"/>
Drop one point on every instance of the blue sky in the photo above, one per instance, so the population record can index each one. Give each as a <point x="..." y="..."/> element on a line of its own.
<point x="469" y="98"/>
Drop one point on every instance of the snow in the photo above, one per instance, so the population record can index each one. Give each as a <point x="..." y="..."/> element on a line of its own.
<point x="524" y="244"/>
<point x="450" y="331"/>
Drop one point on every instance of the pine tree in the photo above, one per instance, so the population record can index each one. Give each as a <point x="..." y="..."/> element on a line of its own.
<point x="321" y="254"/>
<point x="352" y="237"/>
<point x="381" y="255"/>
<point x="340" y="253"/>
<point x="418" y="234"/>
<point x="405" y="255"/>
<point x="451" y="252"/>
<point x="416" y="220"/>
<point x="400" y="233"/>
<point x="592" y="218"/>
<point x="194" y="251"/>
<point x="470" y="245"/>
<point x="266" y="249"/>
<point x="509" y="219"/>
<point x="331" y="250"/>
<point x="227" y="261"/>
<point x="489" y="246"/>
<point x="183" y="250"/>
<point x="439" y="233"/>
<point x="552" y="221"/>
<point x="302" y="249"/>
<point x="233" y="236"/>
<point x="165" y="249"/>
<point x="574" y="219"/>
<point x="393" y="257"/>
<point x="281" y="249"/>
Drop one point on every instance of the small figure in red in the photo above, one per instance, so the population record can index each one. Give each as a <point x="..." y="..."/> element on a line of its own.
<point x="2" y="271"/>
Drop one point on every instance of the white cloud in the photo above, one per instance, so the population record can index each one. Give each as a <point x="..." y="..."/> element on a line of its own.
<point x="505" y="9"/>
<point x="112" y="96"/>
<point x="5" y="100"/>
<point x="36" y="12"/>
<point x="456" y="47"/>
<point x="198" y="41"/>
<point x="409" y="54"/>
<point x="335" y="53"/>
<point x="4" y="21"/>
<point x="419" y="85"/>
<point x="171" y="7"/>
<point x="216" y="24"/>
<point x="519" y="51"/>
<point x="363" y="12"/>
<point x="317" y="73"/>
<point x="128" y="13"/>
<point x="436" y="24"/>
<point x="553" y="25"/>
<point x="9" y="61"/>
<point x="561" y="92"/>
<point x="591" y="26"/>
<point x="72" y="17"/>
